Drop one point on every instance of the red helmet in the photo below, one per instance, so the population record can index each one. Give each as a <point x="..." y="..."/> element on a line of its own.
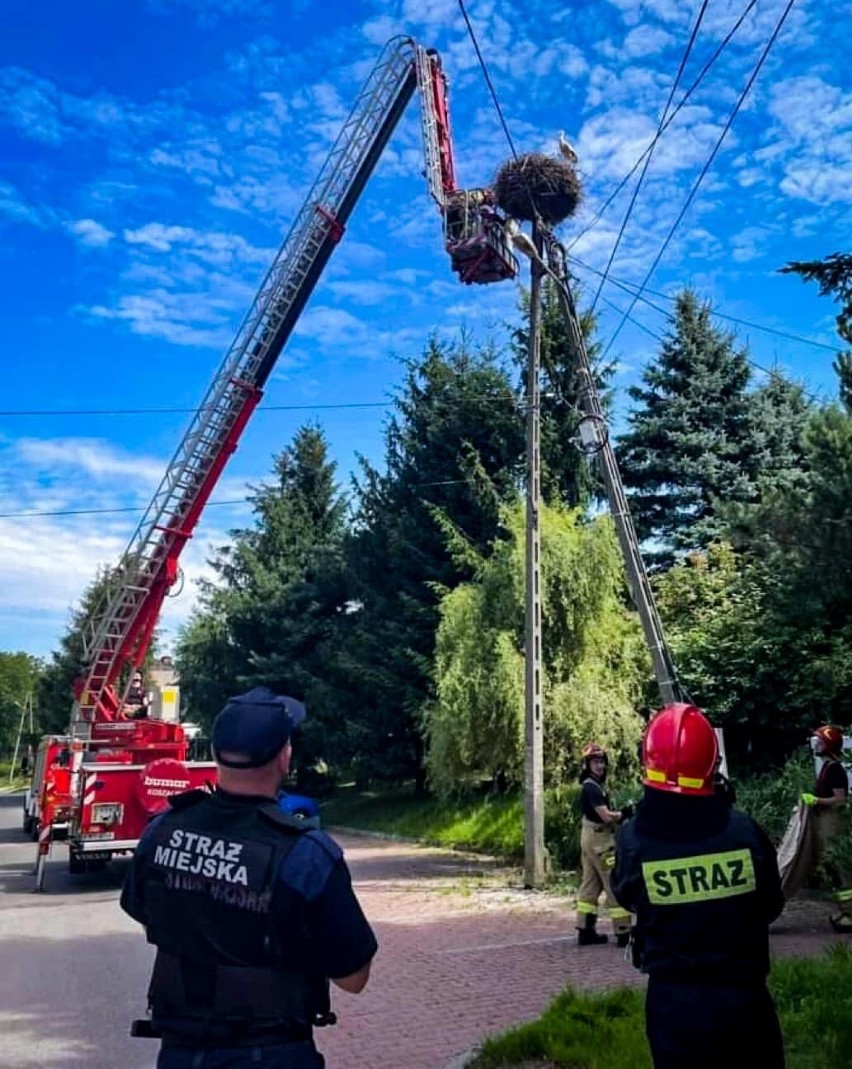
<point x="592" y="749"/>
<point x="680" y="751"/>
<point x="832" y="737"/>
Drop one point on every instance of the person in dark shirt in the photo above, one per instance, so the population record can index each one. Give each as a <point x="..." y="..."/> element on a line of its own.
<point x="251" y="910"/>
<point x="597" y="852"/>
<point x="828" y="800"/>
<point x="702" y="879"/>
<point x="138" y="702"/>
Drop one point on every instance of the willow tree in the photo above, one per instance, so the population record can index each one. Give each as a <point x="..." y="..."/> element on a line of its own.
<point x="594" y="661"/>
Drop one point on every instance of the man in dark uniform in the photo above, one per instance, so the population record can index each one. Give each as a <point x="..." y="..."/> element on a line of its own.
<point x="702" y="879"/>
<point x="597" y="851"/>
<point x="250" y="910"/>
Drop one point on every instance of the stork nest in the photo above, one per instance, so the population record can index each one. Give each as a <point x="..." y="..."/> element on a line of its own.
<point x="535" y="184"/>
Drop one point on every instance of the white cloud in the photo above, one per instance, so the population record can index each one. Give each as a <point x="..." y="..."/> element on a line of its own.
<point x="46" y="562"/>
<point x="91" y="233"/>
<point x="91" y="457"/>
<point x="215" y="248"/>
<point x="645" y="41"/>
<point x="174" y="317"/>
<point x="14" y="207"/>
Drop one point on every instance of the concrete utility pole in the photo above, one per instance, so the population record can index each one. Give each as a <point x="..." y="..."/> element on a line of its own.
<point x="535" y="865"/>
<point x="594" y="435"/>
<point x="26" y="710"/>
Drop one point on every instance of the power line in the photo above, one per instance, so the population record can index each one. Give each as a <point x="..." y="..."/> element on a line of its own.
<point x="718" y="315"/>
<point x="162" y="411"/>
<point x="101" y="512"/>
<point x="704" y="170"/>
<point x="487" y="77"/>
<point x="633" y="290"/>
<point x="698" y="80"/>
<point x="650" y="153"/>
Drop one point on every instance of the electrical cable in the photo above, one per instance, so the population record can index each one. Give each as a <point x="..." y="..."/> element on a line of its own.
<point x="650" y="153"/>
<point x="487" y="77"/>
<point x="696" y="185"/>
<point x="632" y="290"/>
<point x="698" y="80"/>
<point x="163" y="411"/>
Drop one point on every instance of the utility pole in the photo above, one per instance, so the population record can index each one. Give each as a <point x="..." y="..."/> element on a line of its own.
<point x="26" y="710"/>
<point x="594" y="436"/>
<point x="534" y="852"/>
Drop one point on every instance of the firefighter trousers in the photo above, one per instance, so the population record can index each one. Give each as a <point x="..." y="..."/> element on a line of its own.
<point x="274" y="1056"/>
<point x="597" y="855"/>
<point x="705" y="1026"/>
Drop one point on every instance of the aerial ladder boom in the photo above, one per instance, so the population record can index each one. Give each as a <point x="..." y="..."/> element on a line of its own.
<point x="595" y="441"/>
<point x="119" y="632"/>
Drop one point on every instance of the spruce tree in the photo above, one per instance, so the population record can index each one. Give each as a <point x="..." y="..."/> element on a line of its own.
<point x="688" y="446"/>
<point x="453" y="454"/>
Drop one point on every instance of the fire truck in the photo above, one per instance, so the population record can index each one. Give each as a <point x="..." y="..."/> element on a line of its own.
<point x="97" y="786"/>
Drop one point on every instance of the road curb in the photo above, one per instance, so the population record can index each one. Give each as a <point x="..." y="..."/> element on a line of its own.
<point x="464" y="1059"/>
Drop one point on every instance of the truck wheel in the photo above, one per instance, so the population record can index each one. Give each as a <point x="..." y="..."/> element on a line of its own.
<point x="27" y="824"/>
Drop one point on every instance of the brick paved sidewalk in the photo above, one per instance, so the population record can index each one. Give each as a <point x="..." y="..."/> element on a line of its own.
<point x="465" y="952"/>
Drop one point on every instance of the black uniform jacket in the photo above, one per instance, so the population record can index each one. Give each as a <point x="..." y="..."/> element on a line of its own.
<point x="702" y="879"/>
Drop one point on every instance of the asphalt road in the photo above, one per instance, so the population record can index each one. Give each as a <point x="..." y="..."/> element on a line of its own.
<point x="74" y="967"/>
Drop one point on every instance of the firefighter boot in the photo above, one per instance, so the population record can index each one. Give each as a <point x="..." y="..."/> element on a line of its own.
<point x="588" y="935"/>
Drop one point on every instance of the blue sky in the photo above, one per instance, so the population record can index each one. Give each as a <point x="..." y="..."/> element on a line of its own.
<point x="153" y="153"/>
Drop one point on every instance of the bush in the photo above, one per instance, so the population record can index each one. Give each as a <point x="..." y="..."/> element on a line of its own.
<point x="770" y="798"/>
<point x="562" y="825"/>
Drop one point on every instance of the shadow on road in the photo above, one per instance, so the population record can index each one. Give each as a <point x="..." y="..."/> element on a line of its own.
<point x="69" y="1002"/>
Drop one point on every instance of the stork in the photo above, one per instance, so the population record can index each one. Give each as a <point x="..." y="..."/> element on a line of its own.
<point x="566" y="148"/>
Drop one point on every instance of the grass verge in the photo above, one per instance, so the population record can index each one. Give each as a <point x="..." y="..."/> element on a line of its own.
<point x="488" y="824"/>
<point x="605" y="1030"/>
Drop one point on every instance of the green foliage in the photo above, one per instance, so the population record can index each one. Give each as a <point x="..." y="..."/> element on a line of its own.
<point x="567" y="478"/>
<point x="606" y="1030"/>
<point x="19" y="675"/>
<point x="453" y="451"/>
<point x="56" y="683"/>
<point x="593" y="660"/>
<point x="275" y="617"/>
<point x="834" y="276"/>
<point x="770" y="798"/>
<point x="486" y="823"/>
<point x="483" y="820"/>
<point x="814" y="1000"/>
<point x="688" y="444"/>
<point x="580" y="1030"/>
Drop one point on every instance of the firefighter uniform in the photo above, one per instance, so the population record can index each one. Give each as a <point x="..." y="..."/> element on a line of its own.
<point x="597" y="855"/>
<point x="829" y="822"/>
<point x="702" y="879"/>
<point x="251" y="912"/>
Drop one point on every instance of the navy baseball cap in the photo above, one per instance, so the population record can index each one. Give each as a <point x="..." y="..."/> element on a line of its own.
<point x="258" y="724"/>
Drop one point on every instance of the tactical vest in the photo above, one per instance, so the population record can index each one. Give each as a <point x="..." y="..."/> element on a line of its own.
<point x="702" y="915"/>
<point x="215" y="911"/>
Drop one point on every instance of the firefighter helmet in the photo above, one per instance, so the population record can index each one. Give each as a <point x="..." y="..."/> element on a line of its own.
<point x="832" y="737"/>
<point x="592" y="749"/>
<point x="680" y="751"/>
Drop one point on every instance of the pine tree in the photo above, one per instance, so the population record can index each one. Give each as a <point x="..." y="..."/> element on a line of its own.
<point x="688" y="446"/>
